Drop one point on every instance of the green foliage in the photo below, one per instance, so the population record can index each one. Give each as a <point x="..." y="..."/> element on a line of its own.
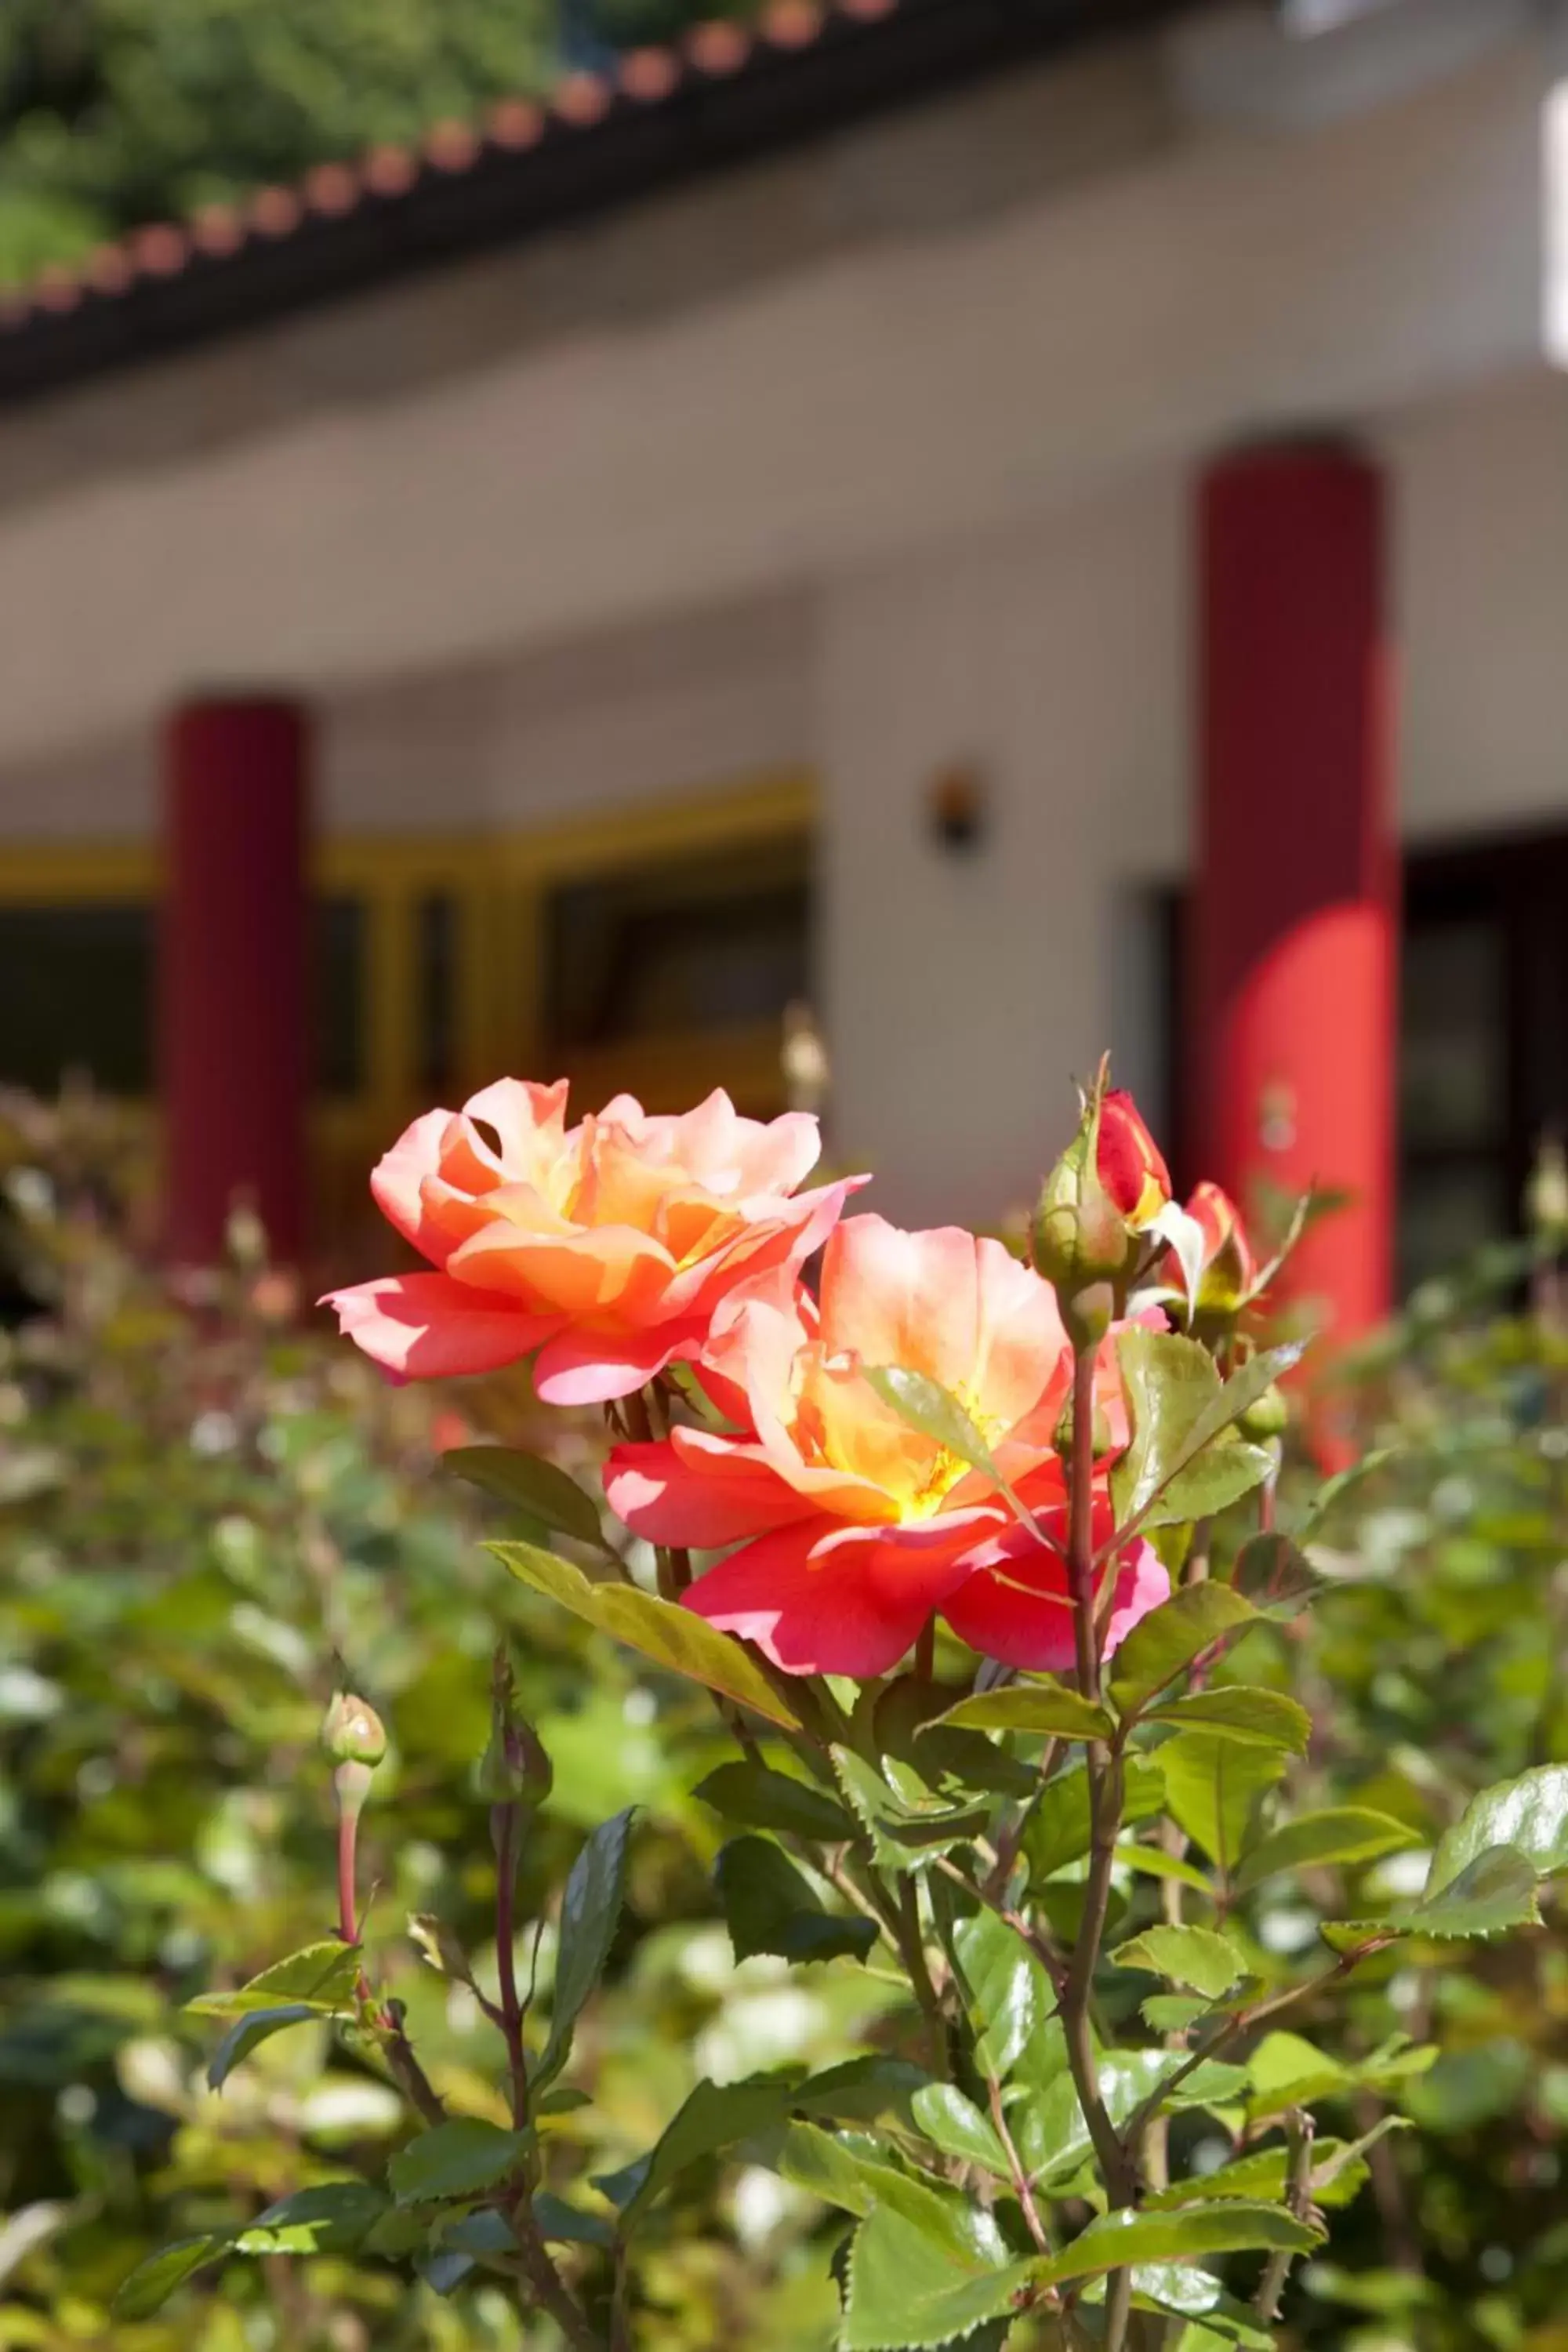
<point x="116" y="112"/>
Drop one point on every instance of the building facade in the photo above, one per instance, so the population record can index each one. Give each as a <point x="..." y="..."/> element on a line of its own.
<point x="1026" y="530"/>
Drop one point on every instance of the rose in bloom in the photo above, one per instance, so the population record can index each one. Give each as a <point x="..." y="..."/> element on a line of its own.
<point x="1228" y="1270"/>
<point x="607" y="1246"/>
<point x="1128" y="1163"/>
<point x="852" y="1527"/>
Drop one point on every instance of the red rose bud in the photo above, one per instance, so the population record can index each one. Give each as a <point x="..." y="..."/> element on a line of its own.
<point x="1130" y="1163"/>
<point x="1229" y="1270"/>
<point x="1080" y="1239"/>
<point x="351" y="1732"/>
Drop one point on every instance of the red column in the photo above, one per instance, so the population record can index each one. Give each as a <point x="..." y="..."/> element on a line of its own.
<point x="233" y="1041"/>
<point x="1297" y="876"/>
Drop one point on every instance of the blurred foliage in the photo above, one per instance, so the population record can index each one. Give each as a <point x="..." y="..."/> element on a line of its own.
<point x="117" y="112"/>
<point x="203" y="1508"/>
<point x="1435" y="1664"/>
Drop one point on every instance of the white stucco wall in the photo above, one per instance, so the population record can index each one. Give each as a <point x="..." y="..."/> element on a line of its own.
<point x="962" y="992"/>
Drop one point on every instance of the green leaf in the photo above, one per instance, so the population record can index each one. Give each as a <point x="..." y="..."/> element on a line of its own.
<point x="459" y="2159"/>
<point x="860" y="2089"/>
<point x="763" y="1800"/>
<point x="1243" y="1712"/>
<point x="1053" y="2137"/>
<point x="912" y="2286"/>
<point x="1531" y="1814"/>
<point x="1340" y="1833"/>
<point x="1497" y="1890"/>
<point x="769" y="1906"/>
<point x="333" y="2218"/>
<point x="1183" y="1462"/>
<point x="1008" y="1993"/>
<point x="248" y="2032"/>
<point x="1167" y="1641"/>
<point x="1338" y="2172"/>
<point x="151" y="2283"/>
<point x="1060" y="1831"/>
<point x="1213" y="1786"/>
<point x="955" y="2125"/>
<point x="1171" y="2013"/>
<point x="671" y="1636"/>
<point x="909" y="1825"/>
<point x="1183" y="2233"/>
<point x="1155" y="1863"/>
<point x="713" y="2118"/>
<point x="1275" y="1574"/>
<point x="321" y="1976"/>
<point x="590" y="1914"/>
<point x="562" y="2224"/>
<point x="537" y="1487"/>
<point x="1200" y="1958"/>
<point x="1047" y="1707"/>
<point x="848" y="2170"/>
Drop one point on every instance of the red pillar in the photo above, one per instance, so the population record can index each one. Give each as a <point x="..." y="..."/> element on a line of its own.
<point x="233" y="1041"/>
<point x="1297" y="875"/>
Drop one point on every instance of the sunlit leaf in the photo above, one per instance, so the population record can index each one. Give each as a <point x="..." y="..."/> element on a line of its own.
<point x="955" y="2125"/>
<point x="1162" y="1644"/>
<point x="319" y="1976"/>
<point x="671" y="1636"/>
<point x="248" y="2032"/>
<point x="912" y="2286"/>
<point x="333" y="2218"/>
<point x="1184" y="1460"/>
<point x="715" y="2117"/>
<point x="1530" y="1814"/>
<point x="1050" y="1708"/>
<point x="1214" y="1787"/>
<point x="1242" y="1712"/>
<point x="1199" y="1958"/>
<point x="1340" y="1833"/>
<point x="1183" y="2233"/>
<point x="151" y="2283"/>
<point x="1008" y="1993"/>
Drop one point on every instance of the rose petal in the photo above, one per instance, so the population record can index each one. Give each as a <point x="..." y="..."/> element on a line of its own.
<point x="427" y="1326"/>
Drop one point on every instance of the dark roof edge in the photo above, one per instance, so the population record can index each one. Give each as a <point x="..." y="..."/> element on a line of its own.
<point x="669" y="117"/>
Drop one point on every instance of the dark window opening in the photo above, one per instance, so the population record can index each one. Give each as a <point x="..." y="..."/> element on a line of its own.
<point x="436" y="967"/>
<point x="75" y="996"/>
<point x="337" y="1028"/>
<point x="679" y="948"/>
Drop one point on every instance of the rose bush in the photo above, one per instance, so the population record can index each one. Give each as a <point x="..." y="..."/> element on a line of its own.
<point x="989" y="1539"/>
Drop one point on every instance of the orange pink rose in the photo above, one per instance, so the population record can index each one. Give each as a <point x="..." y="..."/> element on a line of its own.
<point x="607" y="1246"/>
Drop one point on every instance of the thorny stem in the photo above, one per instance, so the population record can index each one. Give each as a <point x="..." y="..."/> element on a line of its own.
<point x="385" y="2017"/>
<point x="506" y="1824"/>
<point x="1299" y="2198"/>
<point x="1105" y="1784"/>
<point x="550" y="2289"/>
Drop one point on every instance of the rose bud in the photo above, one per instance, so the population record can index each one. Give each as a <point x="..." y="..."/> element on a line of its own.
<point x="351" y="1732"/>
<point x="1229" y="1273"/>
<point x="1130" y="1163"/>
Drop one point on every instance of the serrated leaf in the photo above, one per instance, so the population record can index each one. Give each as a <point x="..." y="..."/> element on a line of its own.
<point x="907" y="1831"/>
<point x="1241" y="1712"/>
<point x="1340" y="1833"/>
<point x="248" y="2034"/>
<point x="849" y="2171"/>
<point x="714" y="2117"/>
<point x="1171" y="2013"/>
<point x="926" y="1406"/>
<point x="320" y="1976"/>
<point x="459" y="2159"/>
<point x="1530" y="1814"/>
<point x="1163" y="1643"/>
<point x="440" y="1947"/>
<point x="1337" y="2174"/>
<point x="148" y="2287"/>
<point x="1184" y="1461"/>
<point x="760" y="1798"/>
<point x="541" y="1488"/>
<point x="1198" y="1958"/>
<point x="590" y="1914"/>
<point x="1008" y="1992"/>
<point x="1183" y="2233"/>
<point x="1275" y="1575"/>
<point x="911" y="2287"/>
<point x="1049" y="1708"/>
<point x="955" y="2125"/>
<point x="769" y="1906"/>
<point x="335" y="2217"/>
<point x="671" y="1636"/>
<point x="1497" y="1890"/>
<point x="1214" y="1787"/>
